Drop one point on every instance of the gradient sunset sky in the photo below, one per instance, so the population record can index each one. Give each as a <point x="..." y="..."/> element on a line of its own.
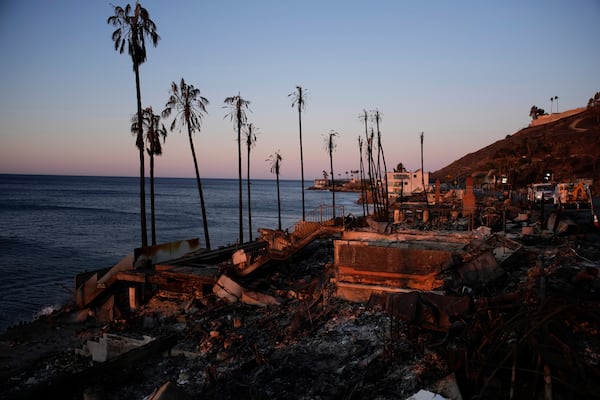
<point x="465" y="73"/>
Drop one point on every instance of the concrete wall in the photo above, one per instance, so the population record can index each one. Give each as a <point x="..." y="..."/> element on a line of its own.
<point x="544" y="119"/>
<point x="378" y="266"/>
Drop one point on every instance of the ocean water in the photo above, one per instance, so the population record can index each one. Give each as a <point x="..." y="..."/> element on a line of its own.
<point x="54" y="227"/>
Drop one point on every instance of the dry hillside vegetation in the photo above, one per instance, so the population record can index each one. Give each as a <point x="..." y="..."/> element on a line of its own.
<point x="568" y="148"/>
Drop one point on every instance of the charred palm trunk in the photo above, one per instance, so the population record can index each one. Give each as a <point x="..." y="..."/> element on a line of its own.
<point x="332" y="178"/>
<point x="384" y="193"/>
<point x="368" y="174"/>
<point x="422" y="170"/>
<point x="372" y="176"/>
<point x="249" y="197"/>
<point x="240" y="213"/>
<point x="278" y="202"/>
<point x="199" y="184"/>
<point x="363" y="188"/>
<point x="152" y="211"/>
<point x="140" y="145"/>
<point x="301" y="157"/>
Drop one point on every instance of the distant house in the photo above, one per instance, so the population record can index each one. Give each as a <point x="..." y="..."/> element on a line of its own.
<point x="326" y="183"/>
<point x="321" y="183"/>
<point x="404" y="183"/>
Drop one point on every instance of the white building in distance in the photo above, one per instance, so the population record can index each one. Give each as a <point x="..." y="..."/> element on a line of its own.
<point x="405" y="183"/>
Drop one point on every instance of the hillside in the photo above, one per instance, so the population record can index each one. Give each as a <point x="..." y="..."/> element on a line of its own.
<point x="568" y="148"/>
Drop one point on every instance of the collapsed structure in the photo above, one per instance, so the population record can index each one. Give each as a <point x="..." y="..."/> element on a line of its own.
<point x="489" y="299"/>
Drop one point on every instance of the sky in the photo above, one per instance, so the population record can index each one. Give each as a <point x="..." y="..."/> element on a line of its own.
<point x="464" y="73"/>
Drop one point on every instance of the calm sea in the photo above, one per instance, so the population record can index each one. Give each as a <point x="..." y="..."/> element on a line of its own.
<point x="54" y="227"/>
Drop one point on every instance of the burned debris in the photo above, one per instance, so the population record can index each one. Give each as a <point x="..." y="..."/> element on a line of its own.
<point x="488" y="302"/>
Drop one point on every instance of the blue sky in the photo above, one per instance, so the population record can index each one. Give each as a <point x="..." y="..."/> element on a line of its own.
<point x="465" y="73"/>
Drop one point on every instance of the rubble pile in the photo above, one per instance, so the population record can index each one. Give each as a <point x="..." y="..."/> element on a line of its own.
<point x="524" y="329"/>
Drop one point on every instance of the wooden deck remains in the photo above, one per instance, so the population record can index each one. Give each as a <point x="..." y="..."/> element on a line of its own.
<point x="185" y="267"/>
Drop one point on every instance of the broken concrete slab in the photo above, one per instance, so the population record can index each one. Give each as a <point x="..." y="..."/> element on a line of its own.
<point x="232" y="292"/>
<point x="110" y="346"/>
<point x="227" y="289"/>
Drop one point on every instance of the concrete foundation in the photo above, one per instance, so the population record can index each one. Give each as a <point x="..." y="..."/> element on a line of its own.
<point x="367" y="263"/>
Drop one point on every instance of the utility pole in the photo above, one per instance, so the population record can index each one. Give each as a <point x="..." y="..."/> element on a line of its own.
<point x="422" y="170"/>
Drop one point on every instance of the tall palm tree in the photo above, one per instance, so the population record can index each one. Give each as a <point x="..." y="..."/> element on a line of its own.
<point x="154" y="132"/>
<point x="275" y="160"/>
<point x="551" y="102"/>
<point x="132" y="29"/>
<point x="238" y="105"/>
<point x="330" y="147"/>
<point x="189" y="106"/>
<point x="299" y="100"/>
<point x="556" y="99"/>
<point x="250" y="143"/>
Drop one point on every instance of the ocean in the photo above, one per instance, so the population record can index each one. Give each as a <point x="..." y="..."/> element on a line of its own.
<point x="54" y="227"/>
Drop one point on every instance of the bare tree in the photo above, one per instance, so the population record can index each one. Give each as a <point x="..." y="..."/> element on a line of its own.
<point x="363" y="191"/>
<point x="381" y="172"/>
<point x="364" y="116"/>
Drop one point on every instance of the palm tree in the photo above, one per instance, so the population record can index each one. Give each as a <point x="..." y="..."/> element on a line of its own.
<point x="250" y="142"/>
<point x="154" y="131"/>
<point x="551" y="102"/>
<point x="238" y="115"/>
<point x="556" y="98"/>
<point x="330" y="147"/>
<point x="133" y="30"/>
<point x="298" y="100"/>
<point x="189" y="106"/>
<point x="275" y="160"/>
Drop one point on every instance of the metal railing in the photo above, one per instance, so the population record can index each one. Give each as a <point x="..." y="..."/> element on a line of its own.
<point x="324" y="213"/>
